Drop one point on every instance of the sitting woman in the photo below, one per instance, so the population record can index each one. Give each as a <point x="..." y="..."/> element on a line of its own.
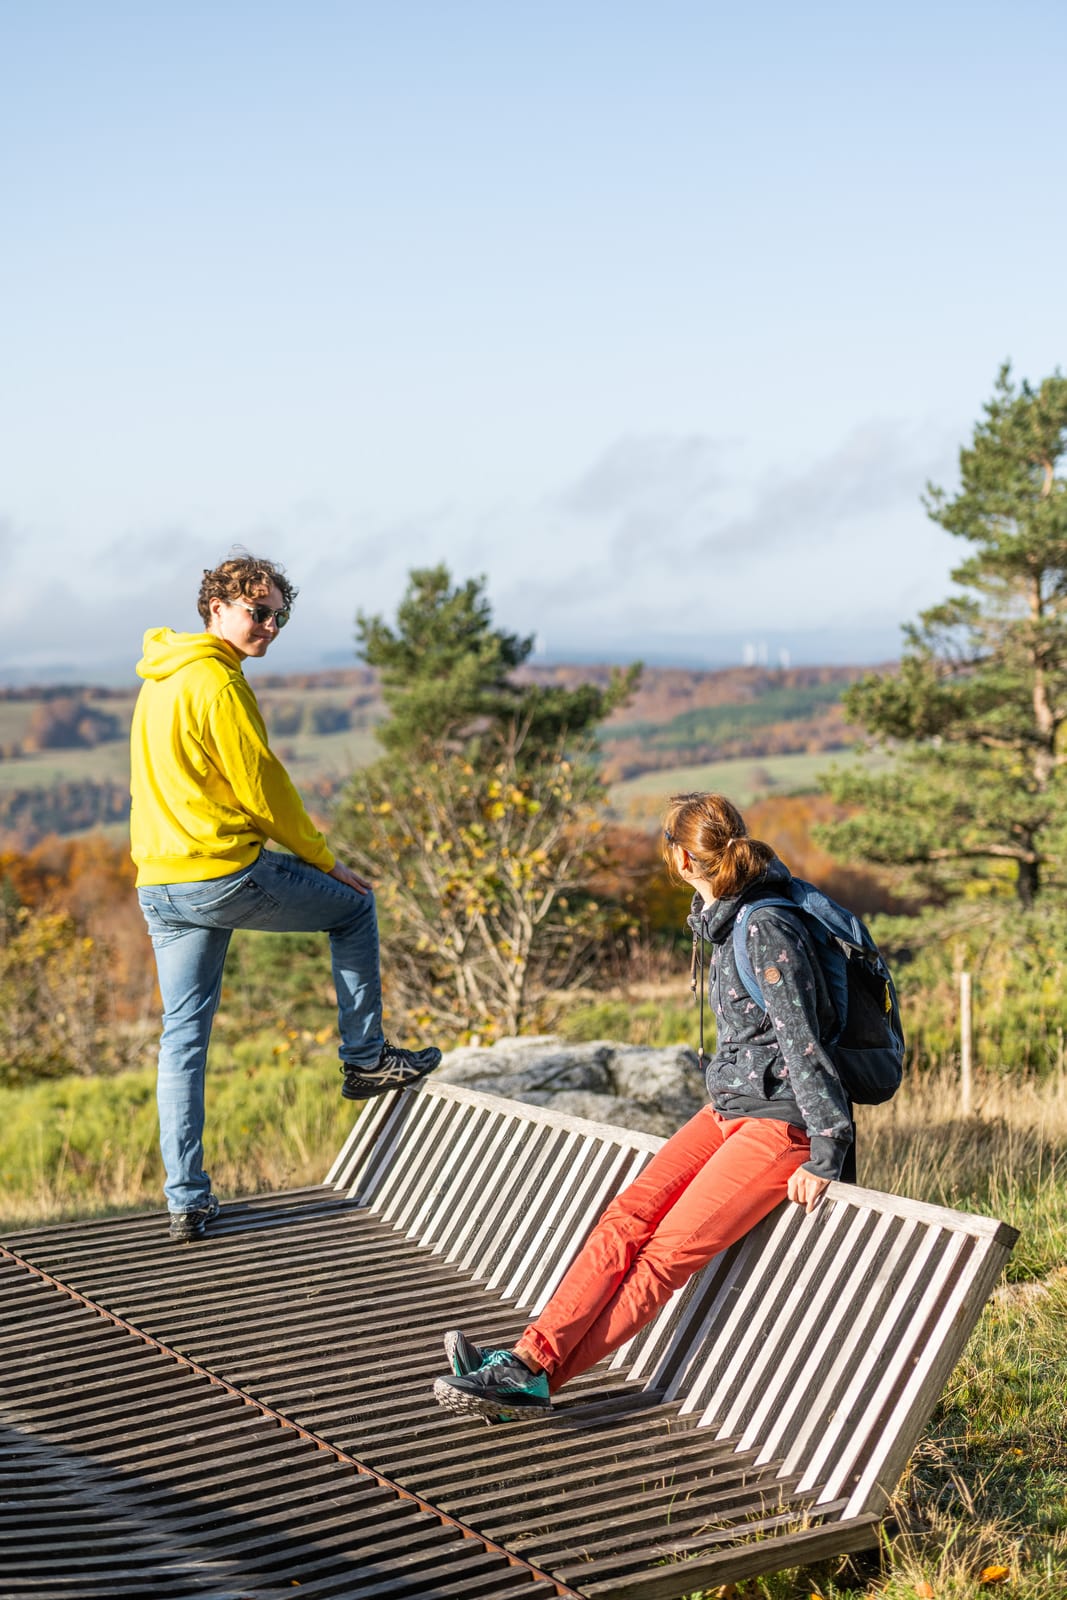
<point x="779" y="1125"/>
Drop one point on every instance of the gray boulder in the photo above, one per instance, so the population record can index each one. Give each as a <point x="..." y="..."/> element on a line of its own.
<point x="631" y="1086"/>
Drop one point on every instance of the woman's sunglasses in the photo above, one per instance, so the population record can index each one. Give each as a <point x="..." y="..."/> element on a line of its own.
<point x="262" y="614"/>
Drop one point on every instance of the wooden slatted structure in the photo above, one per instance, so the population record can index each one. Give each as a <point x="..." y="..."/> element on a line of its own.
<point x="241" y="1416"/>
<point x="820" y="1343"/>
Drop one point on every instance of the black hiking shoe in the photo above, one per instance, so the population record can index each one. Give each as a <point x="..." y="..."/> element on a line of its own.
<point x="502" y="1389"/>
<point x="463" y="1357"/>
<point x="188" y="1225"/>
<point x="394" y="1069"/>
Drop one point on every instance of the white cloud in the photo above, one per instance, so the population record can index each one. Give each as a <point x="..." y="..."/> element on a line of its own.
<point x="664" y="537"/>
<point x="661" y="473"/>
<point x="658" y="539"/>
<point x="879" y="469"/>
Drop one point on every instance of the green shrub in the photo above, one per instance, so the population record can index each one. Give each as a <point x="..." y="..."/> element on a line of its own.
<point x="53" y="997"/>
<point x="1018" y="967"/>
<point x="80" y="1146"/>
<point x="649" y="1022"/>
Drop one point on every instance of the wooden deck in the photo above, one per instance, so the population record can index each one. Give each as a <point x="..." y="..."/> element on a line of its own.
<point x="249" y="1414"/>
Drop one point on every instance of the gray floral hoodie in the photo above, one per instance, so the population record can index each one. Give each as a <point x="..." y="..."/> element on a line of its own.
<point x="772" y="1063"/>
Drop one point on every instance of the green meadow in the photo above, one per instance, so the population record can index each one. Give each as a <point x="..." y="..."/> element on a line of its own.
<point x="640" y="801"/>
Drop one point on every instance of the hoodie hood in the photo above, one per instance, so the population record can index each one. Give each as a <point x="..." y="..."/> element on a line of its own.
<point x="716" y="919"/>
<point x="166" y="652"/>
<point x="207" y="790"/>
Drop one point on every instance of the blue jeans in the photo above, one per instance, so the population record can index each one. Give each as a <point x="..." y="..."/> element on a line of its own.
<point x="190" y="925"/>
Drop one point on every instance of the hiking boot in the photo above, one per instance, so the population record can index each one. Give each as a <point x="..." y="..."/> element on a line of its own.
<point x="394" y="1069"/>
<point x="502" y="1389"/>
<point x="188" y="1225"/>
<point x="463" y="1357"/>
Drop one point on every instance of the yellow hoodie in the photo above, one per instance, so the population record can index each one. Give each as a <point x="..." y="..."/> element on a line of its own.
<point x="207" y="789"/>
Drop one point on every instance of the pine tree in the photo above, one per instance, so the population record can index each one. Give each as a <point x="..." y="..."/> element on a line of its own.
<point x="479" y="826"/>
<point x="443" y="665"/>
<point x="975" y="799"/>
<point x="447" y="676"/>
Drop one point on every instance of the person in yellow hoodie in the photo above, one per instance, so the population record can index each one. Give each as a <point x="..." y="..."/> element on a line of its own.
<point x="207" y="794"/>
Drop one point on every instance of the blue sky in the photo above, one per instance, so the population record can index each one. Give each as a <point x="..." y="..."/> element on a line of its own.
<point x="658" y="316"/>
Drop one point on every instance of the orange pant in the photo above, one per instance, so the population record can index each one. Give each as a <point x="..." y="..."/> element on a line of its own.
<point x="710" y="1183"/>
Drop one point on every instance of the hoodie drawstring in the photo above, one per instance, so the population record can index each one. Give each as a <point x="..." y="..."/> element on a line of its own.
<point x="696" y="984"/>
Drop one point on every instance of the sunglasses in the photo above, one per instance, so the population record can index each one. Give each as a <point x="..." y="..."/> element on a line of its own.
<point x="262" y="614"/>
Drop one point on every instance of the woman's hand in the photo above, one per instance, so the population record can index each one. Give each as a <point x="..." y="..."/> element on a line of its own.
<point x="806" y="1188"/>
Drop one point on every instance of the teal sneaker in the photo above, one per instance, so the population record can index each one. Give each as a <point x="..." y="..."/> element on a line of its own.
<point x="463" y="1357"/>
<point x="502" y="1389"/>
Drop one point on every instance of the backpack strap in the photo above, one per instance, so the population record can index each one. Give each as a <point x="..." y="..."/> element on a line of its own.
<point x="746" y="971"/>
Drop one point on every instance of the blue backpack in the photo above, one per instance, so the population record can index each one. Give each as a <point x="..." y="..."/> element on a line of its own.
<point x="867" y="1044"/>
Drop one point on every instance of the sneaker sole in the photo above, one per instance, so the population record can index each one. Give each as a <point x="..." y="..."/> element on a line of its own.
<point x="462" y="1356"/>
<point x="469" y="1405"/>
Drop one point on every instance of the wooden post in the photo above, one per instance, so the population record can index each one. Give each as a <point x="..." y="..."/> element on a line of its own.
<point x="966" y="1077"/>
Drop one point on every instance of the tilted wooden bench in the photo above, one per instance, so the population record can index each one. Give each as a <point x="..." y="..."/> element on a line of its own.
<point x="815" y="1350"/>
<point x="760" y="1422"/>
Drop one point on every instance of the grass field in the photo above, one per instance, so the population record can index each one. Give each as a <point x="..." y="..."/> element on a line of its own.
<point x="318" y="754"/>
<point x="640" y="801"/>
<point x="982" y="1509"/>
<point x="313" y="757"/>
<point x="45" y="769"/>
<point x="309" y="756"/>
<point x="14" y="717"/>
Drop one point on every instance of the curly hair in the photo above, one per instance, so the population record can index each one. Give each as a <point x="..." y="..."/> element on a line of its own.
<point x="242" y="578"/>
<point x="713" y="831"/>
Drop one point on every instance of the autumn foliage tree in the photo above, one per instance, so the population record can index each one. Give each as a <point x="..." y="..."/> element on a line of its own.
<point x="53" y="996"/>
<point x="69" y="722"/>
<point x="77" y="988"/>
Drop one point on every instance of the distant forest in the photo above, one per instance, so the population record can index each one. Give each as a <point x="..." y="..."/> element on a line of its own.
<point x="676" y="718"/>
